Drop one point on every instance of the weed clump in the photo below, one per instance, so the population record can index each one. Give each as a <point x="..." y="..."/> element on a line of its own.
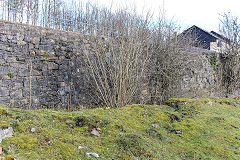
<point x="154" y="133"/>
<point x="132" y="143"/>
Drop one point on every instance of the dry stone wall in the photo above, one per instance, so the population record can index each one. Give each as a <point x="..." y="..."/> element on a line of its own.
<point x="195" y="76"/>
<point x="202" y="77"/>
<point x="41" y="67"/>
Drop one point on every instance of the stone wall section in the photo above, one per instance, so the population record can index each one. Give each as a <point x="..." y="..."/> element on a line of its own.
<point x="201" y="78"/>
<point x="42" y="67"/>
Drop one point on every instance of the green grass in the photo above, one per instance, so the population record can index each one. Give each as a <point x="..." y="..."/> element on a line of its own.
<point x="207" y="128"/>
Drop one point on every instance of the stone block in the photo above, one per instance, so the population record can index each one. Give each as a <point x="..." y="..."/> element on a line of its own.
<point x="4" y="91"/>
<point x="23" y="72"/>
<point x="16" y="94"/>
<point x="27" y="39"/>
<point x="11" y="60"/>
<point x="19" y="37"/>
<point x="35" y="73"/>
<point x="62" y="84"/>
<point x="5" y="133"/>
<point x="52" y="66"/>
<point x="6" y="83"/>
<point x="5" y="100"/>
<point x="21" y="43"/>
<point x="17" y="86"/>
<point x="35" y="100"/>
<point x="45" y="47"/>
<point x="4" y="70"/>
<point x="3" y="47"/>
<point x="30" y="46"/>
<point x="2" y="61"/>
<point x="18" y="65"/>
<point x="9" y="49"/>
<point x="3" y="38"/>
<point x="5" y="55"/>
<point x="36" y="40"/>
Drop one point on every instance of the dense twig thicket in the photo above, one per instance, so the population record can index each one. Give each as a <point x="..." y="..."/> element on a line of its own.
<point x="230" y="28"/>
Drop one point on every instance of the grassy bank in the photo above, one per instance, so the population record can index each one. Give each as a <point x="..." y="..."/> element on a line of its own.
<point x="207" y="128"/>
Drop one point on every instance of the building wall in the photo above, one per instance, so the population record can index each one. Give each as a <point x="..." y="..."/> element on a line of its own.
<point x="218" y="46"/>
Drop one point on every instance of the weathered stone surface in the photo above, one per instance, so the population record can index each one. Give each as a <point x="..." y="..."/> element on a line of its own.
<point x="52" y="66"/>
<point x="4" y="91"/>
<point x="23" y="72"/>
<point x="5" y="133"/>
<point x="6" y="83"/>
<point x="21" y="43"/>
<point x="36" y="40"/>
<point x="33" y="130"/>
<point x="3" y="47"/>
<point x="16" y="94"/>
<point x="95" y="132"/>
<point x="5" y="100"/>
<point x="11" y="59"/>
<point x="9" y="37"/>
<point x="2" y="62"/>
<point x="20" y="37"/>
<point x="92" y="154"/>
<point x="80" y="147"/>
<point x="17" y="86"/>
<point x="3" y="38"/>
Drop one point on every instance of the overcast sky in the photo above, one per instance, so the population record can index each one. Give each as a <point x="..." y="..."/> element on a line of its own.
<point x="203" y="13"/>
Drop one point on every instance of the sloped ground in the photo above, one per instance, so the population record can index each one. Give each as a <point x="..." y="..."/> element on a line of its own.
<point x="207" y="128"/>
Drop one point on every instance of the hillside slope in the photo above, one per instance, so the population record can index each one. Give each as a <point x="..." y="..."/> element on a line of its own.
<point x="207" y="128"/>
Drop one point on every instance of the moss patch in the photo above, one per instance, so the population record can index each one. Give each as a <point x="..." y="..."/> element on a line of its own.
<point x="10" y="75"/>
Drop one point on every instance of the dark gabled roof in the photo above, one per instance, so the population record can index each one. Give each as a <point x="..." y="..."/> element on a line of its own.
<point x="213" y="34"/>
<point x="195" y="28"/>
<point x="200" y="37"/>
<point x="220" y="36"/>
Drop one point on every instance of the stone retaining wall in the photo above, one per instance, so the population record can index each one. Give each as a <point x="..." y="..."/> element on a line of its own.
<point x="42" y="67"/>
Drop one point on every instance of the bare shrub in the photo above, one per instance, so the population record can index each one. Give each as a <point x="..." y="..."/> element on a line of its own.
<point x="230" y="28"/>
<point x="118" y="63"/>
<point x="170" y="61"/>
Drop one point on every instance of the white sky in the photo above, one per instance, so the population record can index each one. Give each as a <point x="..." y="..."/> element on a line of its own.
<point x="203" y="13"/>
